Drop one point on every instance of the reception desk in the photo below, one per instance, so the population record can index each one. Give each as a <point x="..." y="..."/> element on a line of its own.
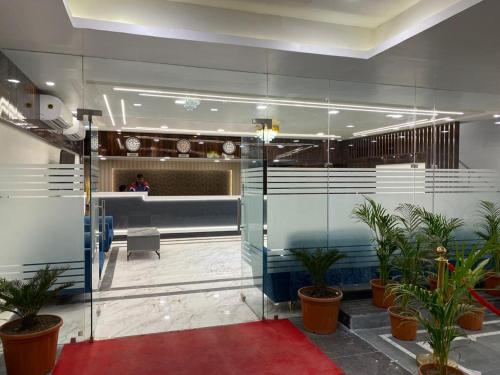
<point x="172" y="214"/>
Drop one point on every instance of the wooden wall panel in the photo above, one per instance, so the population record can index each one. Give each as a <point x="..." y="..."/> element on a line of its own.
<point x="106" y="169"/>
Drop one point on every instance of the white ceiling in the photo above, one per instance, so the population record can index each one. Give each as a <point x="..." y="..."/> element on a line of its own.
<point x="362" y="13"/>
<point x="349" y="28"/>
<point x="450" y="67"/>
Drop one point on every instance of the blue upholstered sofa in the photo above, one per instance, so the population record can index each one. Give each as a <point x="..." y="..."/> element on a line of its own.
<point x="104" y="246"/>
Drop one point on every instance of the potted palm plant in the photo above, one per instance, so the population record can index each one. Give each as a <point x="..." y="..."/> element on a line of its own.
<point x="489" y="231"/>
<point x="438" y="231"/>
<point x="444" y="305"/>
<point x="408" y="262"/>
<point x="30" y="341"/>
<point x="384" y="228"/>
<point x="320" y="303"/>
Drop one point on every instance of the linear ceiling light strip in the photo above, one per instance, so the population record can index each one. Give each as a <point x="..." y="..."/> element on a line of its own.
<point x="298" y="103"/>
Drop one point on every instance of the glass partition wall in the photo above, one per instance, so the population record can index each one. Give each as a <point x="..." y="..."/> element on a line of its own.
<point x="221" y="182"/>
<point x="43" y="174"/>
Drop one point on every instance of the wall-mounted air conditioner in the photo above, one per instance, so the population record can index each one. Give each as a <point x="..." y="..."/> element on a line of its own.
<point x="76" y="132"/>
<point x="55" y="114"/>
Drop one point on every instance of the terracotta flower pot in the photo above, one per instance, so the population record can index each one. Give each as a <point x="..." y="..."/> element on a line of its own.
<point x="31" y="353"/>
<point x="403" y="327"/>
<point x="492" y="281"/>
<point x="430" y="369"/>
<point x="380" y="297"/>
<point x="472" y="320"/>
<point x="320" y="315"/>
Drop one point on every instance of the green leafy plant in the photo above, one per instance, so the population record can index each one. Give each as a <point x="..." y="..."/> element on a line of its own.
<point x="445" y="305"/>
<point x="489" y="231"/>
<point x="438" y="228"/>
<point x="384" y="228"/>
<point x="412" y="255"/>
<point x="317" y="263"/>
<point x="25" y="298"/>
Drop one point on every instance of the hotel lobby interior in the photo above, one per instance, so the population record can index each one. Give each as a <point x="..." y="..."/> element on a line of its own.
<point x="249" y="187"/>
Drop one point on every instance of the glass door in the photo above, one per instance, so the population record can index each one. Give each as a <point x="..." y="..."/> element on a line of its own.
<point x="252" y="215"/>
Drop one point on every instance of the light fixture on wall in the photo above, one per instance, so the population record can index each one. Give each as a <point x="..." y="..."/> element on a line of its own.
<point x="267" y="129"/>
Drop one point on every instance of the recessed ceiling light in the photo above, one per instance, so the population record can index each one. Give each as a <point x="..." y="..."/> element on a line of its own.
<point x="214" y="109"/>
<point x="13" y="80"/>
<point x="497" y="123"/>
<point x="180" y="101"/>
<point x="494" y="116"/>
<point x="109" y="109"/>
<point x="349" y="126"/>
<point x="320" y="134"/>
<point x="137" y="105"/>
<point x="50" y="83"/>
<point x="220" y="130"/>
<point x="261" y="106"/>
<point x="333" y="112"/>
<point x="394" y="115"/>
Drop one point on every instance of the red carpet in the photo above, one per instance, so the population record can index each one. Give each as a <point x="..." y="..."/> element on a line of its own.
<point x="269" y="347"/>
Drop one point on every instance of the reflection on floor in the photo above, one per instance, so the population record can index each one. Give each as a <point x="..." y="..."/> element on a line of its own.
<point x="196" y="283"/>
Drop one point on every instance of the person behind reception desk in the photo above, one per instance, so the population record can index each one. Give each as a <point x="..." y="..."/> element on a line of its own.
<point x="140" y="184"/>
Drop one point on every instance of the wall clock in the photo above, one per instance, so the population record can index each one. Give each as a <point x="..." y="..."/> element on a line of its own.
<point x="133" y="144"/>
<point x="229" y="147"/>
<point x="183" y="146"/>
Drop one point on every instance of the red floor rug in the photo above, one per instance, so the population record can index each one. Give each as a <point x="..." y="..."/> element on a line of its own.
<point x="269" y="347"/>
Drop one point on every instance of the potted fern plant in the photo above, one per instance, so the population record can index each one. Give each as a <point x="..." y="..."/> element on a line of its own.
<point x="30" y="341"/>
<point x="438" y="231"/>
<point x="384" y="228"/>
<point x="320" y="303"/>
<point x="408" y="262"/>
<point x="489" y="231"/>
<point x="444" y="305"/>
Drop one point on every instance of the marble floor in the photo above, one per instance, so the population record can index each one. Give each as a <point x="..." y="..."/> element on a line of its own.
<point x="197" y="282"/>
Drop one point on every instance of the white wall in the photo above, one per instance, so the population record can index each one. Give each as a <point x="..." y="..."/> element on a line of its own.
<point x="20" y="147"/>
<point x="480" y="145"/>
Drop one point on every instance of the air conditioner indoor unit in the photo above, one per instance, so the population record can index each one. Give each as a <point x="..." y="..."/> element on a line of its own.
<point x="76" y="132"/>
<point x="55" y="114"/>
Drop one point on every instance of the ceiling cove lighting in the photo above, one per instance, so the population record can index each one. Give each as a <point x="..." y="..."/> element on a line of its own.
<point x="284" y="102"/>
<point x="124" y="115"/>
<point x="50" y="83"/>
<point x="399" y="126"/>
<point x="13" y="80"/>
<point x="105" y="97"/>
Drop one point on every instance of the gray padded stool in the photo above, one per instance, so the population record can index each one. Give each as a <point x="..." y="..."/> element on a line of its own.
<point x="143" y="239"/>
